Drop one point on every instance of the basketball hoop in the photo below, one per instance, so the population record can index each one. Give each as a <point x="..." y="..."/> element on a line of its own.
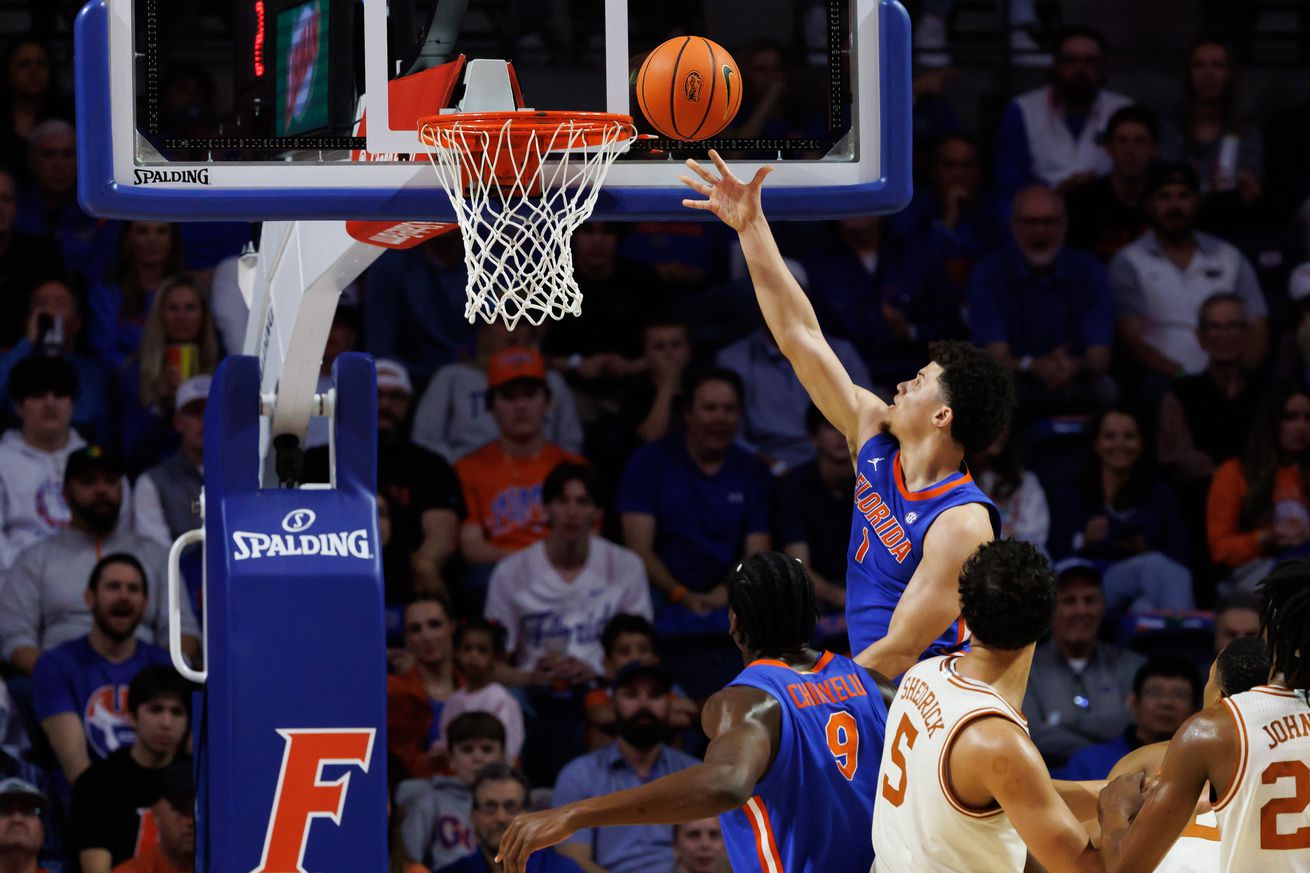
<point x="521" y="183"/>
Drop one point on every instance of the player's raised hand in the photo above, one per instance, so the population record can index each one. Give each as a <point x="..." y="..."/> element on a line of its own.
<point x="735" y="202"/>
<point x="530" y="833"/>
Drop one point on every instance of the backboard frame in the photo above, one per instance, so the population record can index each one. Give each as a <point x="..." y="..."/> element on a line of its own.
<point x="114" y="183"/>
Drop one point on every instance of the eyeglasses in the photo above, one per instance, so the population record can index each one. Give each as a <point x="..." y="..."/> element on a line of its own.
<point x="491" y="807"/>
<point x="21" y="807"/>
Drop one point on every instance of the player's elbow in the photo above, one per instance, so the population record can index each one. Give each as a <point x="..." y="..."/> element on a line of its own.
<point x="728" y="787"/>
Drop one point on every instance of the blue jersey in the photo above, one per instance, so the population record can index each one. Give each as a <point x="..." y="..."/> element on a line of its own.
<point x="888" y="525"/>
<point x="813" y="810"/>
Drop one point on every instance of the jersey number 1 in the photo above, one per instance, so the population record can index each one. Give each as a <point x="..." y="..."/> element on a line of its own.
<point x="844" y="742"/>
<point x="909" y="733"/>
<point x="1270" y="836"/>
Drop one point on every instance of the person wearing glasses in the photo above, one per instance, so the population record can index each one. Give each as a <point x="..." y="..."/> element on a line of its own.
<point x="500" y="794"/>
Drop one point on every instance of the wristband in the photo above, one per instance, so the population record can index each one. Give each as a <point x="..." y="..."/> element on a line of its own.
<point x="678" y="594"/>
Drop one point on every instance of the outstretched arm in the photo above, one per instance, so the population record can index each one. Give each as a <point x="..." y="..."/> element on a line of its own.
<point x="855" y="411"/>
<point x="932" y="598"/>
<point x="743" y="725"/>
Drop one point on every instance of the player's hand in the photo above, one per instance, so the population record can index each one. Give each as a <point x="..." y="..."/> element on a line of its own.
<point x="1122" y="798"/>
<point x="736" y="203"/>
<point x="530" y="833"/>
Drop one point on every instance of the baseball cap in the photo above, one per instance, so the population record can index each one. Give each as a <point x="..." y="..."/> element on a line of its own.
<point x="89" y="459"/>
<point x="507" y="365"/>
<point x="179" y="787"/>
<point x="193" y="389"/>
<point x="634" y="670"/>
<point x="392" y="375"/>
<point x="15" y="787"/>
<point x="1080" y="568"/>
<point x="1298" y="284"/>
<point x="1172" y="173"/>
<point x="37" y="375"/>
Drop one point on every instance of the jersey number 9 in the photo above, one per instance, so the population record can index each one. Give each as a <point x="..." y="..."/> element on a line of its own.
<point x="844" y="742"/>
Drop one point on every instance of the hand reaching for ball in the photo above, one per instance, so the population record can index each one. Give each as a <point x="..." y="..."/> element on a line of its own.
<point x="736" y="203"/>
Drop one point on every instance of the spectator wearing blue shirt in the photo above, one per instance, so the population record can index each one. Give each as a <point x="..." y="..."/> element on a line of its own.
<point x="1165" y="694"/>
<point x="80" y="687"/>
<point x="640" y="755"/>
<point x="500" y="794"/>
<point x="693" y="505"/>
<point x="148" y="253"/>
<point x="1052" y="135"/>
<point x="1045" y="310"/>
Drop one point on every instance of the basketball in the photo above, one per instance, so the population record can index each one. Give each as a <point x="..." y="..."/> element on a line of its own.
<point x="689" y="88"/>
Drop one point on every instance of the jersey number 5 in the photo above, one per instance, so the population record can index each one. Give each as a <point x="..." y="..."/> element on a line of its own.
<point x="844" y="742"/>
<point x="1270" y="836"/>
<point x="909" y="733"/>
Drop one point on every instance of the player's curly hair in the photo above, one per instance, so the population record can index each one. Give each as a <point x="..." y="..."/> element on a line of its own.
<point x="1242" y="665"/>
<point x="978" y="390"/>
<point x="1007" y="594"/>
<point x="773" y="599"/>
<point x="1285" y="621"/>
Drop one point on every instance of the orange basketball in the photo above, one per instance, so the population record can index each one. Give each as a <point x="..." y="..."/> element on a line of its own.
<point x="689" y="88"/>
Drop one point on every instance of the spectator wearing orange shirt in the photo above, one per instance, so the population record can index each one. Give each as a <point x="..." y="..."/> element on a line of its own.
<point x="502" y="480"/>
<point x="175" y="818"/>
<point x="1258" y="511"/>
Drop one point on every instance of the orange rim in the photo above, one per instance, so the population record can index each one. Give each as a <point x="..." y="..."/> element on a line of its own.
<point x="593" y="128"/>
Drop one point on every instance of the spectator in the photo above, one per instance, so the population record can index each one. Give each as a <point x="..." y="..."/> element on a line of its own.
<point x="1258" y="510"/>
<point x="698" y="847"/>
<point x="1128" y="521"/>
<point x="33" y="457"/>
<point x="1165" y="693"/>
<point x="436" y="824"/>
<point x="628" y="638"/>
<point x="813" y="511"/>
<point x="775" y="402"/>
<point x="502" y="480"/>
<point x="500" y="793"/>
<point x="416" y="696"/>
<point x="1052" y="135"/>
<point x="1236" y="617"/>
<point x="453" y="417"/>
<point x="1294" y="351"/>
<point x="1078" y="685"/>
<point x="1161" y="280"/>
<point x="175" y="821"/>
<point x="950" y="225"/>
<point x="694" y="504"/>
<point x="555" y="597"/>
<point x="414" y="306"/>
<point x="21" y="807"/>
<point x="47" y="203"/>
<point x="80" y="685"/>
<point x="1228" y="157"/>
<point x="45" y="600"/>
<point x="15" y="745"/>
<point x="148" y="253"/>
<point x="930" y="45"/>
<point x="25" y="259"/>
<point x="478" y="647"/>
<point x="178" y="343"/>
<point x="166" y="501"/>
<point x="343" y="336"/>
<point x="1107" y="213"/>
<point x="54" y="328"/>
<point x="638" y="756"/>
<point x="30" y="97"/>
<point x="1017" y="493"/>
<point x="648" y="406"/>
<point x="112" y="801"/>
<point x="1044" y="310"/>
<point x="773" y="97"/>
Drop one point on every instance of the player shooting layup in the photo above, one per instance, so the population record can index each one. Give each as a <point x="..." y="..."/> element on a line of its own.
<point x="918" y="514"/>
<point x="1253" y="748"/>
<point x="792" y="764"/>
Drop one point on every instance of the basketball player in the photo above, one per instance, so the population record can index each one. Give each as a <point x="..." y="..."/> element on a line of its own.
<point x="962" y="786"/>
<point x="1242" y="665"/>
<point x="1253" y="748"/>
<point x="918" y="514"/>
<point x="794" y="743"/>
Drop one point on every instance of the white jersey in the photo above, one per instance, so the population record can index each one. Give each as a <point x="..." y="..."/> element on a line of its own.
<point x="1264" y="816"/>
<point x="919" y="826"/>
<point x="1196" y="850"/>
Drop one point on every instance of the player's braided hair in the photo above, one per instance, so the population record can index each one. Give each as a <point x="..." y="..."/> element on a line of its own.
<point x="1285" y="622"/>
<point x="773" y="599"/>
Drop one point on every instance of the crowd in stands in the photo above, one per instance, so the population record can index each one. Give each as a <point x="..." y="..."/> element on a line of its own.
<point x="561" y="506"/>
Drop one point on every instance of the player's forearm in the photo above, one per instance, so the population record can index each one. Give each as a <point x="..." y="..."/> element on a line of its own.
<point x="889" y="656"/>
<point x="785" y="307"/>
<point x="1080" y="797"/>
<point x="702" y="791"/>
<point x="1114" y="830"/>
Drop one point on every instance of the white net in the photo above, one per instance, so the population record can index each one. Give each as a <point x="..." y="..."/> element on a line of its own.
<point x="520" y="187"/>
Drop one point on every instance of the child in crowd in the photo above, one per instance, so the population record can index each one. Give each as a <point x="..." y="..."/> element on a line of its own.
<point x="478" y="645"/>
<point x="435" y="825"/>
<point x="628" y="638"/>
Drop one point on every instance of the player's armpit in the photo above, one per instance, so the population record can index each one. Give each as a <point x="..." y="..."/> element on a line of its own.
<point x="993" y="756"/>
<point x="932" y="598"/>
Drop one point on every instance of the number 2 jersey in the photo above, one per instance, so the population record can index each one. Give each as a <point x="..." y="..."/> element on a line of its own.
<point x="811" y="811"/>
<point x="888" y="525"/>
<point x="1264" y="816"/>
